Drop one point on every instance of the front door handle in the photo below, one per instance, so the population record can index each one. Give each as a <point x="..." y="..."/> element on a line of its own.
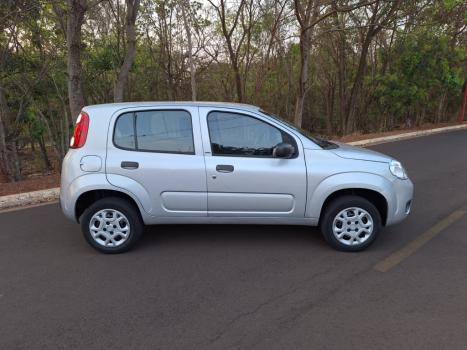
<point x="129" y="165"/>
<point x="223" y="168"/>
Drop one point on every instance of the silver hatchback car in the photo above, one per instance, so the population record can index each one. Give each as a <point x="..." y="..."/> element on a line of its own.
<point x="132" y="164"/>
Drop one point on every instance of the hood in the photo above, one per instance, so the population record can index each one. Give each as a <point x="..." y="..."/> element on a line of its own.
<point x="352" y="152"/>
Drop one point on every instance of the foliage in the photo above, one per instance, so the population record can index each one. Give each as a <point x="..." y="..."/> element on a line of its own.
<point x="414" y="69"/>
<point x="424" y="67"/>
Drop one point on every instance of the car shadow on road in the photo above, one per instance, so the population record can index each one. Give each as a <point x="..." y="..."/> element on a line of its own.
<point x="232" y="234"/>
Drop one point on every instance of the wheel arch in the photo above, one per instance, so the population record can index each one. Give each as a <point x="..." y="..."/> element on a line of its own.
<point x="374" y="197"/>
<point x="375" y="188"/>
<point x="85" y="199"/>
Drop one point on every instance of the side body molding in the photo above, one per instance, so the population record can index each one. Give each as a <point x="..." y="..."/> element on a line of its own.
<point x="322" y="190"/>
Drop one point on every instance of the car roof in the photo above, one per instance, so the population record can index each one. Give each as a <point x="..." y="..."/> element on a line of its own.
<point x="121" y="105"/>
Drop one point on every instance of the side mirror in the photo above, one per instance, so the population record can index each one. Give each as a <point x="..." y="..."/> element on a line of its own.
<point x="283" y="150"/>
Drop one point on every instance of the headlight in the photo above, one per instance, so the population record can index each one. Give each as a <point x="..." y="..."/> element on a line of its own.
<point x="397" y="170"/>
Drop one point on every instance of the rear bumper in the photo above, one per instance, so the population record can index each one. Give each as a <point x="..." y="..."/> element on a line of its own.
<point x="401" y="204"/>
<point x="66" y="204"/>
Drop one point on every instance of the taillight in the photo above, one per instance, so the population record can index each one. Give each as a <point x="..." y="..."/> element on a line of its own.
<point x="81" y="131"/>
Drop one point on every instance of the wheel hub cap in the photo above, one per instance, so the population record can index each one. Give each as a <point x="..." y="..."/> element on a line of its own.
<point x="352" y="226"/>
<point x="109" y="228"/>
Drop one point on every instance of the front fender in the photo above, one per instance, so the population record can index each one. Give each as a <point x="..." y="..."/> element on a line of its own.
<point x="349" y="180"/>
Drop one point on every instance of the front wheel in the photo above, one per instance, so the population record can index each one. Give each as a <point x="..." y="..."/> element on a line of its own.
<point x="111" y="225"/>
<point x="350" y="223"/>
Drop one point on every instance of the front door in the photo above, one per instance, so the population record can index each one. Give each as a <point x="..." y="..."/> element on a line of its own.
<point x="243" y="177"/>
<point x="157" y="153"/>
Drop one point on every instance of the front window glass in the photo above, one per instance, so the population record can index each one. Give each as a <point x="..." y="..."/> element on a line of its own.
<point x="242" y="135"/>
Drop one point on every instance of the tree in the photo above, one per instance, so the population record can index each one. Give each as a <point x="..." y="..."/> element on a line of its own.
<point x="330" y="66"/>
<point x="381" y="14"/>
<point x="422" y="76"/>
<point x="130" y="32"/>
<point x="232" y="47"/>
<point x="309" y="14"/>
<point x="75" y="12"/>
<point x="185" y="6"/>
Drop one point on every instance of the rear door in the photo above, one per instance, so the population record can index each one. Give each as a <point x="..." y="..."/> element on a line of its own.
<point x="158" y="151"/>
<point x="243" y="177"/>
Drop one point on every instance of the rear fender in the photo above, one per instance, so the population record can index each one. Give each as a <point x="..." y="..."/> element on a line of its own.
<point x="91" y="182"/>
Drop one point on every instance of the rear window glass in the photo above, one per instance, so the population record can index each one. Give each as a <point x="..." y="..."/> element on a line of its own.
<point x="168" y="131"/>
<point x="124" y="135"/>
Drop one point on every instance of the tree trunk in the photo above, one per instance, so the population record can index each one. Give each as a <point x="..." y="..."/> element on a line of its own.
<point x="233" y="54"/>
<point x="75" y="19"/>
<point x="190" y="50"/>
<point x="330" y="98"/>
<point x="16" y="162"/>
<point x="9" y="161"/>
<point x="238" y="83"/>
<point x="460" y="117"/>
<point x="131" y="13"/>
<point x="236" y="69"/>
<point x="4" y="162"/>
<point x="45" y="157"/>
<point x="341" y="70"/>
<point x="439" y="114"/>
<point x="165" y="38"/>
<point x="56" y="141"/>
<point x="350" y="115"/>
<point x="303" y="77"/>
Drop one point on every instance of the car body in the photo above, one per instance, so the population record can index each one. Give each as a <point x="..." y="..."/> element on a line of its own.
<point x="223" y="163"/>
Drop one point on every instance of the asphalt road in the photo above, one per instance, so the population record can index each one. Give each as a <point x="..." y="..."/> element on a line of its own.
<point x="248" y="287"/>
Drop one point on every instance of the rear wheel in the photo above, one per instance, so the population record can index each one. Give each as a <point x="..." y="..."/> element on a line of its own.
<point x="111" y="225"/>
<point x="350" y="223"/>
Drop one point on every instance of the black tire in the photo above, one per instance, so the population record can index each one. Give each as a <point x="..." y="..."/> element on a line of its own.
<point x="124" y="207"/>
<point x="340" y="204"/>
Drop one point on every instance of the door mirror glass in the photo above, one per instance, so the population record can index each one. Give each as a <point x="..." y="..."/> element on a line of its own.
<point x="283" y="150"/>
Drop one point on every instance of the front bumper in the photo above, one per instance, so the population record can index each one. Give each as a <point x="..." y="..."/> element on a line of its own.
<point x="401" y="202"/>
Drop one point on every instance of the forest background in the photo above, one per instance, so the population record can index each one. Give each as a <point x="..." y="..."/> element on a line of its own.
<point x="332" y="67"/>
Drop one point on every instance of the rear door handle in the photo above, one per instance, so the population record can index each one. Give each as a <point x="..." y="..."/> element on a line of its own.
<point x="129" y="165"/>
<point x="223" y="168"/>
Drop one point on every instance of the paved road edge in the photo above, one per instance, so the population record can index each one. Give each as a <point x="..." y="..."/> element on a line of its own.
<point x="407" y="135"/>
<point x="52" y="194"/>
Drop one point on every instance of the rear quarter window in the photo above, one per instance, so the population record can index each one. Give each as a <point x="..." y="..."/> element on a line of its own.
<point x="124" y="134"/>
<point x="163" y="131"/>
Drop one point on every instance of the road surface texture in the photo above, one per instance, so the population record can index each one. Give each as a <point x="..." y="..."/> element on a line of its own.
<point x="248" y="287"/>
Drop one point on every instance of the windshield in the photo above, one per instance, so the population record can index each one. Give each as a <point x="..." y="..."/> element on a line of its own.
<point x="325" y="144"/>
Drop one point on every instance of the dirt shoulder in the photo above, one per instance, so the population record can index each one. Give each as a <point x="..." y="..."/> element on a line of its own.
<point x="34" y="183"/>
